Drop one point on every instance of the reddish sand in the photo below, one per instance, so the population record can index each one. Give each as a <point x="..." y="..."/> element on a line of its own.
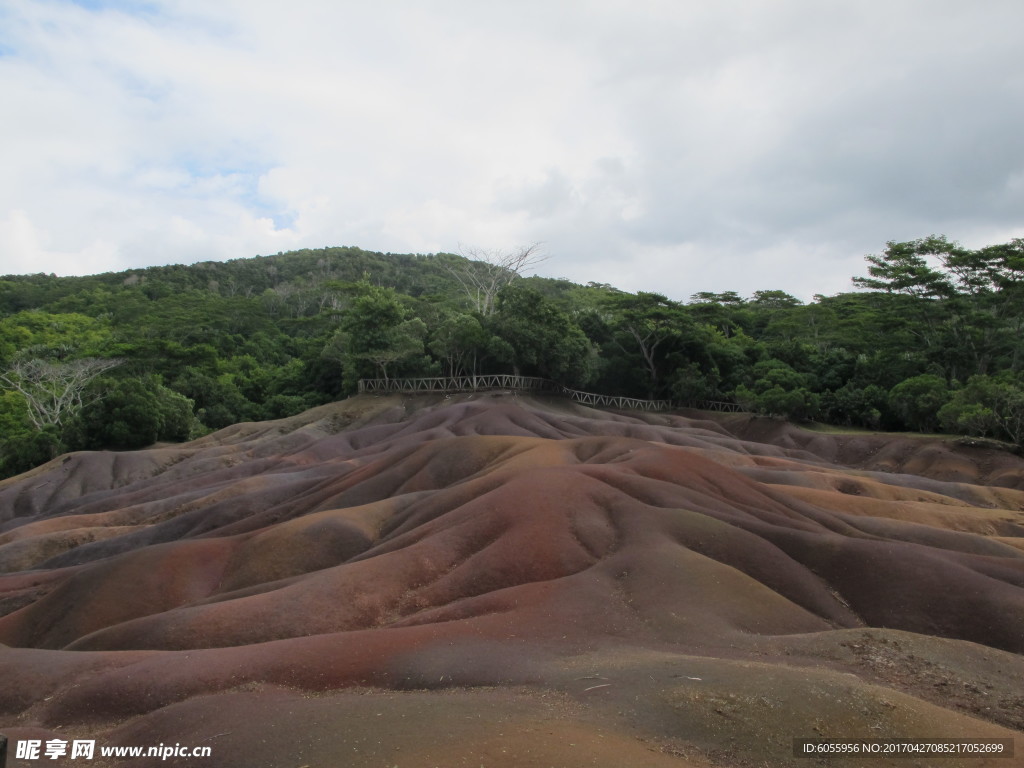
<point x="506" y="581"/>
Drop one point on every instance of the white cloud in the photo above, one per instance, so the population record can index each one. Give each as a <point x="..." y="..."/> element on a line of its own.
<point x="670" y="146"/>
<point x="30" y="251"/>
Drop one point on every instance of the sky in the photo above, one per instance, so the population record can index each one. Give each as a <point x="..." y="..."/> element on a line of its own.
<point x="673" y="146"/>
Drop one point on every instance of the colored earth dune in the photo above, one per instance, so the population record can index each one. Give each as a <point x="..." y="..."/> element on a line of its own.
<point x="515" y="581"/>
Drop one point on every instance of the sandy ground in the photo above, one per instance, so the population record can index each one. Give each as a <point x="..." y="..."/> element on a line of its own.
<point x="509" y="581"/>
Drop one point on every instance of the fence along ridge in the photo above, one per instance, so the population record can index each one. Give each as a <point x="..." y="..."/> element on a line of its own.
<point x="450" y="384"/>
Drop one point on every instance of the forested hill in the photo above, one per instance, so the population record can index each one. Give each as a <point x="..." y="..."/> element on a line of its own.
<point x="122" y="360"/>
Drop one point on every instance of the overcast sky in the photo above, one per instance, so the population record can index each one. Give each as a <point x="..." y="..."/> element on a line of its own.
<point x="675" y="146"/>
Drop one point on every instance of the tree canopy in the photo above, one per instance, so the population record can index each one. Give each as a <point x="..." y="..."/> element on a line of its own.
<point x="932" y="339"/>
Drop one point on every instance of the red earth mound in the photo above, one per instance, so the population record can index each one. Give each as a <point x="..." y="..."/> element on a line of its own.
<point x="510" y="581"/>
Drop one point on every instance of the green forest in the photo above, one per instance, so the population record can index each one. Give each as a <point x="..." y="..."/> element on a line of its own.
<point x="929" y="340"/>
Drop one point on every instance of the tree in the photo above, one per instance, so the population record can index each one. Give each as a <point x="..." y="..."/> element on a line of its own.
<point x="692" y="386"/>
<point x="904" y="268"/>
<point x="707" y="297"/>
<point x="728" y="311"/>
<point x="779" y="390"/>
<point x="61" y="333"/>
<point x="948" y="286"/>
<point x="917" y="400"/>
<point x="483" y="274"/>
<point x="1002" y="296"/>
<point x="217" y="399"/>
<point x="459" y="341"/>
<point x="773" y="299"/>
<point x="134" y="413"/>
<point x="375" y="329"/>
<point x="648" y="323"/>
<point x="397" y="343"/>
<point x="54" y="390"/>
<point x="544" y="341"/>
<point x="987" y="406"/>
<point x="855" y="406"/>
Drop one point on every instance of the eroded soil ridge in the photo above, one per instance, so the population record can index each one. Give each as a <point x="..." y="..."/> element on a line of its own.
<point x="511" y="581"/>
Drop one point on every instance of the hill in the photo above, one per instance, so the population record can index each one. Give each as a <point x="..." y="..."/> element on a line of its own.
<point x="170" y="353"/>
<point x="515" y="581"/>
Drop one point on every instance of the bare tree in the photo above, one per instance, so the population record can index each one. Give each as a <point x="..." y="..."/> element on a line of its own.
<point x="485" y="273"/>
<point x="54" y="389"/>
